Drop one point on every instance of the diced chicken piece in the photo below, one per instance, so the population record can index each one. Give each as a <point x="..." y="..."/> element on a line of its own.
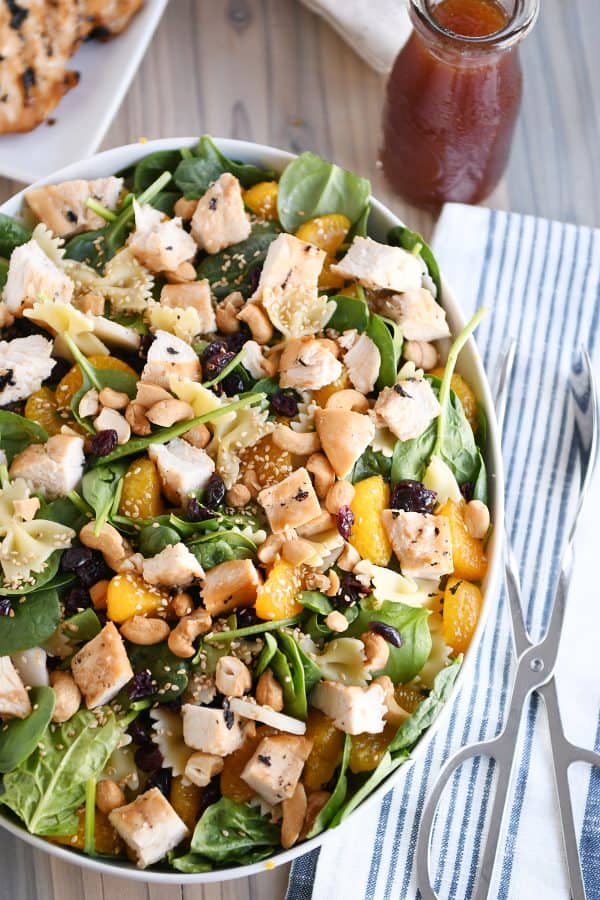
<point x="362" y="362"/>
<point x="288" y="287"/>
<point x="307" y="364"/>
<point x="101" y="667"/>
<point x="62" y="207"/>
<point x="407" y="408"/>
<point x="220" y="219"/>
<point x="159" y="243"/>
<point x="216" y="731"/>
<point x="183" y="469"/>
<point x="273" y="771"/>
<point x="31" y="666"/>
<point x="421" y="542"/>
<point x="149" y="826"/>
<point x="24" y="364"/>
<point x="175" y="566"/>
<point x="417" y="314"/>
<point x="344" y="436"/>
<point x="353" y="709"/>
<point x="32" y="277"/>
<point x="169" y="356"/>
<point x="379" y="266"/>
<point x="14" y="699"/>
<point x="52" y="469"/>
<point x="230" y="585"/>
<point x="291" y="502"/>
<point x="194" y="294"/>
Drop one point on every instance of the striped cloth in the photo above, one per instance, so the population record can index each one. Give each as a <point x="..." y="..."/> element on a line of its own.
<point x="541" y="281"/>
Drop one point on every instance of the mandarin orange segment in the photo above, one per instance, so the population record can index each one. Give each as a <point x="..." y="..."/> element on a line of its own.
<point x="106" y="839"/>
<point x="269" y="462"/>
<point x="462" y="607"/>
<point x="128" y="595"/>
<point x="41" y="407"/>
<point x="277" y="597"/>
<point x="367" y="749"/>
<point x="409" y="698"/>
<point x="468" y="556"/>
<point x="328" y="280"/>
<point x="72" y="381"/>
<point x="465" y="394"/>
<point x="322" y="395"/>
<point x="368" y="535"/>
<point x="326" y="232"/>
<point x="141" y="497"/>
<point x="326" y="753"/>
<point x="185" y="798"/>
<point x="261" y="199"/>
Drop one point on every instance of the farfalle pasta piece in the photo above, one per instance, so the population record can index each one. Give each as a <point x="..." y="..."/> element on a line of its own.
<point x="167" y="733"/>
<point x="342" y="659"/>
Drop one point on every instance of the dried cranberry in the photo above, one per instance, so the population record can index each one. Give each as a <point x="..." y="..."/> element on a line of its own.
<point x="387" y="632"/>
<point x="345" y="521"/>
<point x="104" y="442"/>
<point x="88" y="565"/>
<point x="59" y="370"/>
<point x="466" y="490"/>
<point x="148" y="757"/>
<point x="141" y="685"/>
<point x="174" y="705"/>
<point x="412" y="496"/>
<point x="139" y="730"/>
<point x="214" y="358"/>
<point x="254" y="274"/>
<point x="232" y="384"/>
<point x="214" y="492"/>
<point x="247" y="617"/>
<point x="196" y="512"/>
<point x="285" y="403"/>
<point x="236" y="341"/>
<point x="161" y="779"/>
<point x="75" y="557"/>
<point x="210" y="794"/>
<point x="351" y="588"/>
<point x="146" y="342"/>
<point x="76" y="600"/>
<point x="5" y="606"/>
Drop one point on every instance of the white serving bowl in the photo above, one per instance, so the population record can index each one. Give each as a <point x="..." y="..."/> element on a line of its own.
<point x="381" y="220"/>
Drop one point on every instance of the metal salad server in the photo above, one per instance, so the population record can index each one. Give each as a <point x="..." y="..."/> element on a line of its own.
<point x="535" y="672"/>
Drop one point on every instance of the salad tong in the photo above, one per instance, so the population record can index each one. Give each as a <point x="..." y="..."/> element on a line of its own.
<point x="536" y="663"/>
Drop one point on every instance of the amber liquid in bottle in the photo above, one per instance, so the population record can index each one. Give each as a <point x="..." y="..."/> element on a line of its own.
<point x="450" y="111"/>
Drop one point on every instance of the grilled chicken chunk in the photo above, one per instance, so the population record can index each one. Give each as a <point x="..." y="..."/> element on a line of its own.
<point x="62" y="207"/>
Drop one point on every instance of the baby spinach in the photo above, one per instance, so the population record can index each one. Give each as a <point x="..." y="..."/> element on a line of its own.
<point x="400" y="236"/>
<point x="170" y="672"/>
<point x="406" y="661"/>
<point x="350" y="312"/>
<point x="34" y="619"/>
<point x="82" y="627"/>
<point x="232" y="832"/>
<point x="94" y="377"/>
<point x="411" y="457"/>
<point x="150" y="167"/>
<point x="153" y="539"/>
<point x="165" y="202"/>
<point x="38" y="579"/>
<point x="220" y="549"/>
<point x="12" y="234"/>
<point x="100" y="487"/>
<point x="361" y="226"/>
<point x="266" y="654"/>
<point x="316" y="602"/>
<point x="311" y="186"/>
<point x="17" y="433"/>
<point x="190" y="863"/>
<point x="338" y="795"/>
<point x="195" y="174"/>
<point x="63" y="510"/>
<point x="304" y="674"/>
<point x="372" y="462"/>
<point x="281" y="668"/>
<point x="230" y="269"/>
<point x="19" y="737"/>
<point x="387" y="764"/>
<point x="412" y="729"/>
<point x="480" y="484"/>
<point x="3" y="273"/>
<point x="387" y="337"/>
<point x="47" y="788"/>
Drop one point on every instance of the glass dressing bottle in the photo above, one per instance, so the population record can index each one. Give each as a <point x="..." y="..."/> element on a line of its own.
<point x="453" y="97"/>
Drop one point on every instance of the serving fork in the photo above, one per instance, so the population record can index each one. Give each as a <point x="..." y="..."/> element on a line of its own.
<point x="536" y="663"/>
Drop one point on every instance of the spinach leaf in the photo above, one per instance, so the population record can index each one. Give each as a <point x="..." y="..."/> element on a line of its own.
<point x="404" y="237"/>
<point x="338" y="795"/>
<point x="170" y="672"/>
<point x="350" y="312"/>
<point x="12" y="234"/>
<point x="304" y="674"/>
<point x="480" y="484"/>
<point x="404" y="662"/>
<point x="190" y="863"/>
<point x="123" y="382"/>
<point x="387" y="764"/>
<point x="47" y="788"/>
<point x="267" y="386"/>
<point x="361" y="226"/>
<point x="19" y="737"/>
<point x="316" y="602"/>
<point x="165" y="202"/>
<point x="153" y="539"/>
<point x="372" y="462"/>
<point x="34" y="619"/>
<point x="63" y="510"/>
<point x="282" y="671"/>
<point x="387" y="336"/>
<point x="100" y="487"/>
<point x="311" y="186"/>
<point x="194" y="175"/>
<point x="38" y="579"/>
<point x="230" y="269"/>
<point x="231" y="832"/>
<point x="131" y="320"/>
<point x="412" y="729"/>
<point x="3" y="273"/>
<point x="216" y="551"/>
<point x="266" y="654"/>
<point x="82" y="627"/>
<point x="411" y="457"/>
<point x="153" y="165"/>
<point x="225" y="637"/>
<point x="17" y="433"/>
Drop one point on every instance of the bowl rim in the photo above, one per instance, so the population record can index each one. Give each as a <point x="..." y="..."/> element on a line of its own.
<point x="115" y="160"/>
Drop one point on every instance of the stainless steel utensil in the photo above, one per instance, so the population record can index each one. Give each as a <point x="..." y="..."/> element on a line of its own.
<point x="535" y="672"/>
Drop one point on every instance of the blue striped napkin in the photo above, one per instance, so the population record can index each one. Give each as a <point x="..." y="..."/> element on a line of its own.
<point x="541" y="282"/>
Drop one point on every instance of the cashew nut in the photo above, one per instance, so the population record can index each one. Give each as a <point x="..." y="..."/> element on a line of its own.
<point x="395" y="714"/>
<point x="199" y="436"/>
<point x="300" y="443"/>
<point x="323" y="475"/>
<point x="113" y="547"/>
<point x="144" y="630"/>
<point x="348" y="558"/>
<point x="109" y="796"/>
<point x="316" y="581"/>
<point x="182" y="604"/>
<point x="421" y="353"/>
<point x="185" y="272"/>
<point x="297" y="551"/>
<point x="294" y="812"/>
<point x="185" y="208"/>
<point x="339" y="494"/>
<point x="232" y="676"/>
<point x="181" y="640"/>
<point x="226" y="313"/>
<point x="269" y="692"/>
<point x="167" y="412"/>
<point x="89" y="404"/>
<point x="348" y="399"/>
<point x="316" y="802"/>
<point x="257" y="321"/>
<point x="318" y="525"/>
<point x="269" y="549"/>
<point x="136" y="417"/>
<point x="477" y="519"/>
<point x="377" y="651"/>
<point x="238" y="496"/>
<point x="334" y="583"/>
<point x="113" y="399"/>
<point x="149" y="394"/>
<point x="113" y="420"/>
<point x="201" y="767"/>
<point x="67" y="695"/>
<point x="336" y="621"/>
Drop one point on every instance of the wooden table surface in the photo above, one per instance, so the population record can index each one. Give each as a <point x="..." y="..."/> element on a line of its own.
<point x="269" y="71"/>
